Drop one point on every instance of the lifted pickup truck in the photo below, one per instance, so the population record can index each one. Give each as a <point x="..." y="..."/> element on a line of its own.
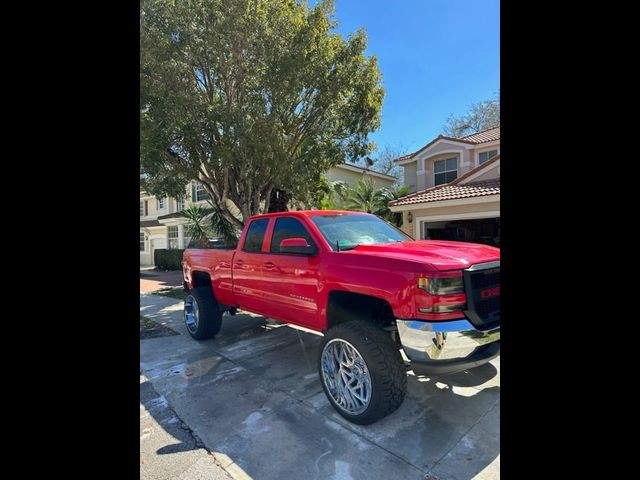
<point x="368" y="287"/>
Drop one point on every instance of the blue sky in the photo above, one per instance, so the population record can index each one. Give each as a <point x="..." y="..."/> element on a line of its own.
<point x="436" y="58"/>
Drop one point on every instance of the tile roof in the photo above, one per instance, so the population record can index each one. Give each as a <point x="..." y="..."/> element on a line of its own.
<point x="484" y="136"/>
<point x="488" y="135"/>
<point x="404" y="157"/>
<point x="451" y="192"/>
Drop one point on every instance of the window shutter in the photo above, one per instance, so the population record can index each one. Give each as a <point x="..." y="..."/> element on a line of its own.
<point x="193" y="192"/>
<point x="146" y="211"/>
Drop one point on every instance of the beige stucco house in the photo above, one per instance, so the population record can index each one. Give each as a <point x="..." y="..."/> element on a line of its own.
<point x="162" y="226"/>
<point x="455" y="185"/>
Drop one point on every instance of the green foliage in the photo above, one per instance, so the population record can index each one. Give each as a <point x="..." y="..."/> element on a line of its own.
<point x="389" y="194"/>
<point x="250" y="95"/>
<point x="198" y="228"/>
<point x="480" y="116"/>
<point x="365" y="196"/>
<point x="207" y="223"/>
<point x="166" y="259"/>
<point x="327" y="195"/>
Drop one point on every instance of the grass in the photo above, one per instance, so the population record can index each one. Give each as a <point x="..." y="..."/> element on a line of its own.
<point x="151" y="329"/>
<point x="173" y="292"/>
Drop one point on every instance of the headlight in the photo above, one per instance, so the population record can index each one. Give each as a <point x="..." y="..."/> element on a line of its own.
<point x="441" y="285"/>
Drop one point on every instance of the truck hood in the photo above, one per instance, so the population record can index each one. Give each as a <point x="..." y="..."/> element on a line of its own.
<point x="443" y="255"/>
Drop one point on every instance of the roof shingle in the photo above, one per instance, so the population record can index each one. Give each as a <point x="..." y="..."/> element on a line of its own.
<point x="484" y="136"/>
<point x="488" y="135"/>
<point x="451" y="192"/>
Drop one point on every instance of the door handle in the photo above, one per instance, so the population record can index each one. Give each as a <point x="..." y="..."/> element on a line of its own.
<point x="239" y="263"/>
<point x="270" y="265"/>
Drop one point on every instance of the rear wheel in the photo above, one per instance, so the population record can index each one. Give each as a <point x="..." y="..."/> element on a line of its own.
<point x="362" y="372"/>
<point x="201" y="314"/>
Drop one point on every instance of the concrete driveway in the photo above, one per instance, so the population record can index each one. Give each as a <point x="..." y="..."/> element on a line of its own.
<point x="253" y="397"/>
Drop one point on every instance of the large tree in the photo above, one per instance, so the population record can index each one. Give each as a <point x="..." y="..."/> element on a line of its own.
<point x="479" y="116"/>
<point x="247" y="96"/>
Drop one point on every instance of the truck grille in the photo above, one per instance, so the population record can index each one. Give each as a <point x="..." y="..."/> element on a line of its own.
<point x="482" y="287"/>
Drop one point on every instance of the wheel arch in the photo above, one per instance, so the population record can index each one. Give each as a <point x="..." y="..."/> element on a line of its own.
<point x="345" y="306"/>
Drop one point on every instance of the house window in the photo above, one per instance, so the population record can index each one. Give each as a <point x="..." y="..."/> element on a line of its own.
<point x="179" y="204"/>
<point x="141" y="242"/>
<point x="484" y="156"/>
<point x="141" y="208"/>
<point x="161" y="203"/>
<point x="172" y="233"/>
<point x="201" y="193"/>
<point x="445" y="171"/>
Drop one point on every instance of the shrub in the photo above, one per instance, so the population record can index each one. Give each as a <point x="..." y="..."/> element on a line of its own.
<point x="165" y="259"/>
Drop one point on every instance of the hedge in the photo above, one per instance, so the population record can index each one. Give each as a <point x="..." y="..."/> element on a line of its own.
<point x="165" y="259"/>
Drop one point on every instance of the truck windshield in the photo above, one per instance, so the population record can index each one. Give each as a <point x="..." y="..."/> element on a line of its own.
<point x="349" y="231"/>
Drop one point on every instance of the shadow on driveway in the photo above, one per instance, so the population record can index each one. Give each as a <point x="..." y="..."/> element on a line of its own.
<point x="254" y="397"/>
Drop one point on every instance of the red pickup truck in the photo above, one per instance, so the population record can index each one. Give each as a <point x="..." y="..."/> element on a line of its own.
<point x="368" y="287"/>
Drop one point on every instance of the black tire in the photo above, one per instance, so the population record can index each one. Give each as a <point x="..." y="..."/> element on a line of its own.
<point x="208" y="317"/>
<point x="384" y="363"/>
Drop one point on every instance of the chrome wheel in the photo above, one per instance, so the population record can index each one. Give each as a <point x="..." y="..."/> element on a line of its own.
<point x="191" y="313"/>
<point x="346" y="376"/>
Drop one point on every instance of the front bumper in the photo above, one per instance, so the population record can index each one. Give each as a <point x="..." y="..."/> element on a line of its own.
<point x="436" y="348"/>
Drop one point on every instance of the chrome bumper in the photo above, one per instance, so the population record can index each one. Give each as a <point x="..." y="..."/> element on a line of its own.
<point x="447" y="347"/>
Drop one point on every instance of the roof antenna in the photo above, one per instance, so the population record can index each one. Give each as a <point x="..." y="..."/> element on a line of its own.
<point x="337" y="245"/>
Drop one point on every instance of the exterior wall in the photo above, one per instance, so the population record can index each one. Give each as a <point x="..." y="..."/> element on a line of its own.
<point x="412" y="228"/>
<point x="351" y="178"/>
<point x="410" y="176"/>
<point x="406" y="226"/>
<point x="156" y="234"/>
<point x="442" y="146"/>
<point x="422" y="168"/>
<point x="488" y="175"/>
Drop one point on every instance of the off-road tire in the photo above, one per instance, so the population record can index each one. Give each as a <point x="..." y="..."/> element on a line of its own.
<point x="385" y="365"/>
<point x="209" y="315"/>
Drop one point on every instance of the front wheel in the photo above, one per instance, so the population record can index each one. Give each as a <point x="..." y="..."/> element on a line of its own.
<point x="201" y="313"/>
<point x="362" y="372"/>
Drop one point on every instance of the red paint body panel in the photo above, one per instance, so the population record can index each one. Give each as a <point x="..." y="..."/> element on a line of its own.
<point x="295" y="288"/>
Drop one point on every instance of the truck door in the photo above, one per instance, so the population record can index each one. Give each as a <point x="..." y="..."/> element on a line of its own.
<point x="291" y="280"/>
<point x="248" y="285"/>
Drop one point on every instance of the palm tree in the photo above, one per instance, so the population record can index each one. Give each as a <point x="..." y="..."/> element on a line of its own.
<point x="198" y="228"/>
<point x="393" y="193"/>
<point x="364" y="196"/>
<point x="205" y="223"/>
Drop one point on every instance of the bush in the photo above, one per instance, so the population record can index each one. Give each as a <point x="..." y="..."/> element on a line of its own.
<point x="165" y="259"/>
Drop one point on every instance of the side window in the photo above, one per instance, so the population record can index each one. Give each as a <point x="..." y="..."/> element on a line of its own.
<point x="484" y="156"/>
<point x="288" y="227"/>
<point x="255" y="235"/>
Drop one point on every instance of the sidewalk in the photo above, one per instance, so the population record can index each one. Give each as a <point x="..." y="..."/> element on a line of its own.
<point x="168" y="448"/>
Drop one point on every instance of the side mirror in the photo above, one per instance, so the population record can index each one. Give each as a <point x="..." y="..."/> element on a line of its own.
<point x="297" y="245"/>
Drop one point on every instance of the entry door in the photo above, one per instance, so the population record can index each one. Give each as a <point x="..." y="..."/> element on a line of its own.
<point x="291" y="280"/>
<point x="156" y="243"/>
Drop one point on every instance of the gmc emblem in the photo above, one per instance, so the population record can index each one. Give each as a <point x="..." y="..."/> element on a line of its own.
<point x="490" y="292"/>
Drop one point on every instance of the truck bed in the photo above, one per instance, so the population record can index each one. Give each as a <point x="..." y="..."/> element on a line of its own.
<point x="217" y="263"/>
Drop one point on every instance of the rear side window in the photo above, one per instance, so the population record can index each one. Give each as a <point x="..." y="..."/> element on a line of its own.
<point x="255" y="235"/>
<point x="288" y="227"/>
